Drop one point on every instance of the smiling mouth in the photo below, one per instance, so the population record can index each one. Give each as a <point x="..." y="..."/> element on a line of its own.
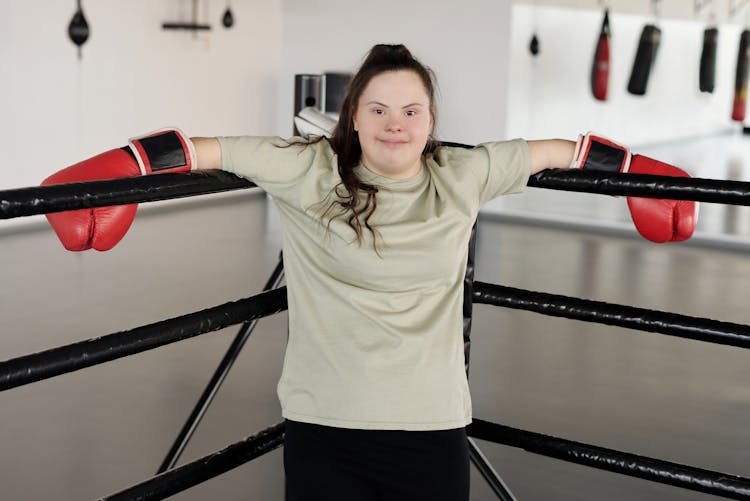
<point x="392" y="142"/>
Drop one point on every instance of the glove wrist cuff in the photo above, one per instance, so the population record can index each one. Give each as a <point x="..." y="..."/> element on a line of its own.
<point x="595" y="152"/>
<point x="164" y="150"/>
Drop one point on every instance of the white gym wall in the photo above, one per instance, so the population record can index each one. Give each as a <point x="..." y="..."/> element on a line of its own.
<point x="466" y="44"/>
<point x="549" y="95"/>
<point x="135" y="77"/>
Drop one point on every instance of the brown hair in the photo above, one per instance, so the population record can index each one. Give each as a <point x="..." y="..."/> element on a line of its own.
<point x="345" y="141"/>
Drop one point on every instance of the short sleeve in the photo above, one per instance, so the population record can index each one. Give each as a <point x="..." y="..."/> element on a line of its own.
<point x="506" y="170"/>
<point x="273" y="163"/>
<point x="489" y="169"/>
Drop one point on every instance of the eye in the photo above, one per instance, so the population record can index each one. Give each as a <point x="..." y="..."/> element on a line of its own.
<point x="378" y="111"/>
<point x="410" y="113"/>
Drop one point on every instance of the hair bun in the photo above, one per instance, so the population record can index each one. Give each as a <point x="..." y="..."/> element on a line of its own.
<point x="388" y="55"/>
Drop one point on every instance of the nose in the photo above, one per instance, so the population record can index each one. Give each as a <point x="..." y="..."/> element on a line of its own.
<point x="394" y="123"/>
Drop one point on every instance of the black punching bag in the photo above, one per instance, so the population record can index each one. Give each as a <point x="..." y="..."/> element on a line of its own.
<point x="740" y="79"/>
<point x="707" y="75"/>
<point x="644" y="59"/>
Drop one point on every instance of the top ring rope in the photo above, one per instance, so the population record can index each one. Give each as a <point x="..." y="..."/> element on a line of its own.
<point x="645" y="185"/>
<point x="62" y="197"/>
<point x="85" y="195"/>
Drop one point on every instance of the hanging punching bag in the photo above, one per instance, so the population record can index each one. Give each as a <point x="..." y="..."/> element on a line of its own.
<point x="644" y="59"/>
<point x="228" y="19"/>
<point x="78" y="28"/>
<point x="600" y="66"/>
<point x="707" y="74"/>
<point x="740" y="79"/>
<point x="534" y="45"/>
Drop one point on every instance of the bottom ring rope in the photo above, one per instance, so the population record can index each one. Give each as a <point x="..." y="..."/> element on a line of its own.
<point x="183" y="477"/>
<point x="664" y="472"/>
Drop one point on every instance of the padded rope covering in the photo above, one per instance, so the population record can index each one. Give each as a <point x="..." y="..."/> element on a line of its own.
<point x="664" y="472"/>
<point x="46" y="364"/>
<point x="183" y="477"/>
<point x="69" y="196"/>
<point x="58" y="198"/>
<point x="672" y="324"/>
<point x="644" y="185"/>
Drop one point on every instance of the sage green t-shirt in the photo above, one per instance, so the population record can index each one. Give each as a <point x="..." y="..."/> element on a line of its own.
<point x="375" y="338"/>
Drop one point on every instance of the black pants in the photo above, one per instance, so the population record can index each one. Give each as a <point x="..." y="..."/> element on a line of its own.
<point x="324" y="463"/>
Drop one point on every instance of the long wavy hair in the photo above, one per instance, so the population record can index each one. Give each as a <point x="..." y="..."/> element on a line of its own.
<point x="356" y="200"/>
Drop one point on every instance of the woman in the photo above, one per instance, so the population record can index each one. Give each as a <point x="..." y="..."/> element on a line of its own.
<point x="376" y="230"/>
<point x="376" y="225"/>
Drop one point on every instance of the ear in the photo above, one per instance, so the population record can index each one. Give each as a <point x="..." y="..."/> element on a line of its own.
<point x="354" y="123"/>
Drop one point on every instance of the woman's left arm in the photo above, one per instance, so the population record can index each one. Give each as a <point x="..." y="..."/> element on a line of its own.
<point x="550" y="154"/>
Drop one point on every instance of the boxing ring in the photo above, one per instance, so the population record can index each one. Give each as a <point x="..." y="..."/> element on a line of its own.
<point x="246" y="312"/>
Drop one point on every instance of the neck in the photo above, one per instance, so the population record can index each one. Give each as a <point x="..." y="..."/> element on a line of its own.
<point x="396" y="174"/>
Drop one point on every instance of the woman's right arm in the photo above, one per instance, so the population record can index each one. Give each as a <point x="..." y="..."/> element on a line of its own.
<point x="207" y="152"/>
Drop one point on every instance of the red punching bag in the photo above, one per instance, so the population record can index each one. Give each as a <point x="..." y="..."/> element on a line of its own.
<point x="600" y="66"/>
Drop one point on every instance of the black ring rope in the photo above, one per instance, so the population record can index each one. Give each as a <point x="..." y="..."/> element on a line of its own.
<point x="72" y="196"/>
<point x="665" y="472"/>
<point x="671" y="324"/>
<point x="49" y="363"/>
<point x="221" y="372"/>
<point x="22" y="202"/>
<point x="183" y="477"/>
<point x="56" y="361"/>
<point x="644" y="185"/>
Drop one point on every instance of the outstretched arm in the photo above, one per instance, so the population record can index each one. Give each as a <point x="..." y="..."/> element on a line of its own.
<point x="549" y="154"/>
<point x="545" y="154"/>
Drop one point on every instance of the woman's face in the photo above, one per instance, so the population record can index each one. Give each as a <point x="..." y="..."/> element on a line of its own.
<point x="393" y="119"/>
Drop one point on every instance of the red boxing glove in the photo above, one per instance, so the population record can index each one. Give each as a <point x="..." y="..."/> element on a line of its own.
<point x="167" y="150"/>
<point x="656" y="219"/>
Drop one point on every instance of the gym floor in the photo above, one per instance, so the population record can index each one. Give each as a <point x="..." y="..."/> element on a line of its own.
<point x="96" y="431"/>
